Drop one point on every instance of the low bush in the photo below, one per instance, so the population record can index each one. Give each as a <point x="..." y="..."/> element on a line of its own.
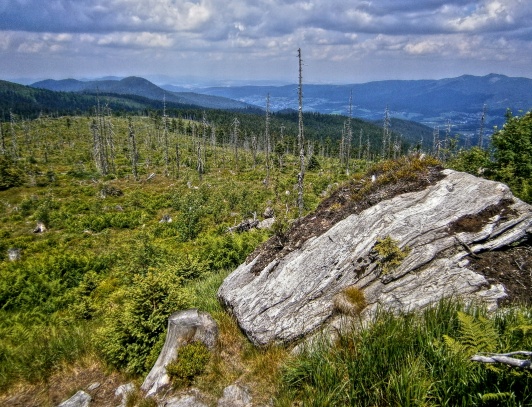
<point x="132" y="332"/>
<point x="191" y="361"/>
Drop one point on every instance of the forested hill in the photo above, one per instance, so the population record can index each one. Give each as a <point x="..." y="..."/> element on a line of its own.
<point x="29" y="102"/>
<point x="141" y="87"/>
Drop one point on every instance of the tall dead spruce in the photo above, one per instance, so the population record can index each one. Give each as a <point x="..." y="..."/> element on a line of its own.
<point x="300" y="140"/>
<point x="133" y="147"/>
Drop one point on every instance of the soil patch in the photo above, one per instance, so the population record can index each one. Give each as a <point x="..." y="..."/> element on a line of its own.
<point x="63" y="385"/>
<point x="475" y="223"/>
<point x="384" y="181"/>
<point x="511" y="267"/>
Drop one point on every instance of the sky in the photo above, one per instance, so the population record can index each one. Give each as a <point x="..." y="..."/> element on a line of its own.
<point x="243" y="41"/>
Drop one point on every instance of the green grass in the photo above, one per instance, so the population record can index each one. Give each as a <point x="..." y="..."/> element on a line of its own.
<point x="78" y="278"/>
<point x="405" y="361"/>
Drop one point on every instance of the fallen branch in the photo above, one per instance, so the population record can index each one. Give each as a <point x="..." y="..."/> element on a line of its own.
<point x="506" y="359"/>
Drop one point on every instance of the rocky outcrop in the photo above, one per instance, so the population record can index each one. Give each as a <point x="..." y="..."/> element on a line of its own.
<point x="184" y="327"/>
<point x="444" y="225"/>
<point x="235" y="396"/>
<point x="80" y="399"/>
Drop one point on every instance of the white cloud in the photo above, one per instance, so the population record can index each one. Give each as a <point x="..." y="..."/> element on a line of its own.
<point x="332" y="32"/>
<point x="136" y="40"/>
<point x="491" y="15"/>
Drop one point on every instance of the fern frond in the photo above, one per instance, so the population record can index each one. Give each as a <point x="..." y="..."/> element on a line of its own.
<point x="490" y="397"/>
<point x="453" y="345"/>
<point x="523" y="330"/>
<point x="477" y="334"/>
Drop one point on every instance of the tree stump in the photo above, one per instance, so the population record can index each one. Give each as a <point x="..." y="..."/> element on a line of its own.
<point x="184" y="327"/>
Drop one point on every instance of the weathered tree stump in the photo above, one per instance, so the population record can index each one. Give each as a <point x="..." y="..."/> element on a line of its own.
<point x="184" y="327"/>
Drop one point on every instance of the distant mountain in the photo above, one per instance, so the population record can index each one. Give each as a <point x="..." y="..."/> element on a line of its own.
<point x="29" y="102"/>
<point x="141" y="87"/>
<point x="431" y="102"/>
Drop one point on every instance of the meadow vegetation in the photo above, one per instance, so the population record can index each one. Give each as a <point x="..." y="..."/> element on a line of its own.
<point x="123" y="250"/>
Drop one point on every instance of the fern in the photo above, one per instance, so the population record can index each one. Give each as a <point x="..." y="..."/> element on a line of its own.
<point x="476" y="335"/>
<point x="497" y="397"/>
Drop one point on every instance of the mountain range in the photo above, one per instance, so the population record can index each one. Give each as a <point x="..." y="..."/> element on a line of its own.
<point x="457" y="101"/>
<point x="141" y="87"/>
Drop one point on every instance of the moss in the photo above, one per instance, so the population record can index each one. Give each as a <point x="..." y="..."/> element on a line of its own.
<point x="389" y="254"/>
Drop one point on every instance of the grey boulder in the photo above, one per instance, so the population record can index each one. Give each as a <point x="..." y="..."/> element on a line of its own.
<point x="293" y="296"/>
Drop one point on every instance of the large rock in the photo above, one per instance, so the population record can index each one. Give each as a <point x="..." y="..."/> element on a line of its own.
<point x="184" y="327"/>
<point x="443" y="224"/>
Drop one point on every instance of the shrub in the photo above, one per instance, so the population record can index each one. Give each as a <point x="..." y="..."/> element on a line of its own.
<point x="389" y="255"/>
<point x="313" y="164"/>
<point x="190" y="362"/>
<point x="138" y="318"/>
<point x="10" y="174"/>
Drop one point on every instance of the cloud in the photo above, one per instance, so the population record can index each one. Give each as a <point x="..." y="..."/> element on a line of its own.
<point x="268" y="31"/>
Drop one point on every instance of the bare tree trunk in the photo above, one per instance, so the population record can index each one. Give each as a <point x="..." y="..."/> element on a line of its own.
<point x="177" y="160"/>
<point x="201" y="164"/>
<point x="360" y="144"/>
<point x="505" y="358"/>
<point x="300" y="140"/>
<point x="254" y="148"/>
<point x="436" y="142"/>
<point x="133" y="147"/>
<point x="481" y="131"/>
<point x="14" y="144"/>
<point x="236" y="123"/>
<point x="267" y="139"/>
<point x="110" y="142"/>
<point x="349" y="134"/>
<point x="2" y="140"/>
<point x="386" y="139"/>
<point x="213" y="143"/>
<point x="165" y="138"/>
<point x="342" y="147"/>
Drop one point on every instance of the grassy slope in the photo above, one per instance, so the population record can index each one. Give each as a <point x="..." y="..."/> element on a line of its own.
<point x="82" y="274"/>
<point x="56" y="300"/>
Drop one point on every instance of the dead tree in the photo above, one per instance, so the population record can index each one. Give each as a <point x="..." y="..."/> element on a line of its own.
<point x="436" y="142"/>
<point x="254" y="147"/>
<point x="386" y="135"/>
<point x="267" y="139"/>
<point x="2" y="140"/>
<point x="349" y="134"/>
<point x="236" y="123"/>
<point x="481" y="131"/>
<point x="213" y="142"/>
<point x="360" y="144"/>
<point x="342" y="146"/>
<point x="14" y="144"/>
<point x="300" y="140"/>
<point x="177" y="160"/>
<point x="165" y="138"/>
<point x="133" y="148"/>
<point x="200" y="163"/>
<point x="103" y="141"/>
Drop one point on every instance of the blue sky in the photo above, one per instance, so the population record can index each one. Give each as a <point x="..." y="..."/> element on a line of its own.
<point x="342" y="41"/>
